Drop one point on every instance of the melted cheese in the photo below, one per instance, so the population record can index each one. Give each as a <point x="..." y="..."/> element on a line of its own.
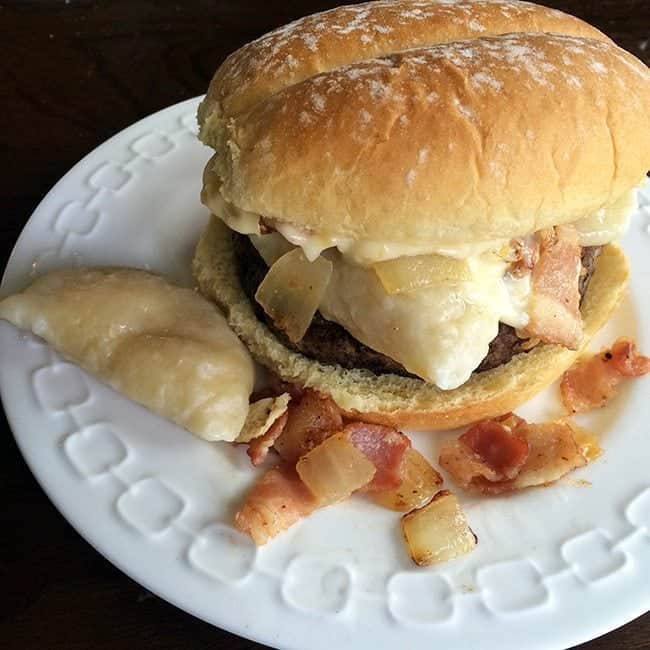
<point x="367" y="252"/>
<point x="271" y="246"/>
<point x="602" y="227"/>
<point x="246" y="223"/>
<point x="440" y="334"/>
<point x="607" y="224"/>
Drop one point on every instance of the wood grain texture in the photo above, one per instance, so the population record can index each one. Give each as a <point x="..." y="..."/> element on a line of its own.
<point x="72" y="74"/>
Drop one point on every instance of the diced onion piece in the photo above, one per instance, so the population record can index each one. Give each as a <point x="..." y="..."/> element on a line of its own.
<point x="586" y="441"/>
<point x="334" y="470"/>
<point x="419" y="483"/>
<point x="405" y="274"/>
<point x="292" y="291"/>
<point x="271" y="246"/>
<point x="438" y="532"/>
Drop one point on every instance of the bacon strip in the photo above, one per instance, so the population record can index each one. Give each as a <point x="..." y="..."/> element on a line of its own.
<point x="554" y="306"/>
<point x="526" y="255"/>
<point x="591" y="383"/>
<point x="554" y="451"/>
<point x="491" y="450"/>
<point x="384" y="447"/>
<point x="503" y="451"/>
<point x="312" y="419"/>
<point x="259" y="447"/>
<point x="277" y="501"/>
<point x="627" y="361"/>
<point x="542" y="454"/>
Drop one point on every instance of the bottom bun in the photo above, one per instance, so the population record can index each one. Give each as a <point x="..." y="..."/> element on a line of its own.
<point x="404" y="402"/>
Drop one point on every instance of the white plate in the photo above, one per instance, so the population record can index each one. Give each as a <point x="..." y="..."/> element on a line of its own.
<point x="554" y="566"/>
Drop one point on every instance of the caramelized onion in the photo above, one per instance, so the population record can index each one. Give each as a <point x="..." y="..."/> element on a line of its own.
<point x="271" y="246"/>
<point x="419" y="483"/>
<point x="292" y="291"/>
<point x="334" y="470"/>
<point x="438" y="532"/>
<point x="405" y="274"/>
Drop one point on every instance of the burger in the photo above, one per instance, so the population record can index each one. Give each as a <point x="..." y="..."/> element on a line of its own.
<point x="414" y="204"/>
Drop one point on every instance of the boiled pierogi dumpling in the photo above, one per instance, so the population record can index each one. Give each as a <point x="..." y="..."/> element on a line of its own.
<point x="162" y="346"/>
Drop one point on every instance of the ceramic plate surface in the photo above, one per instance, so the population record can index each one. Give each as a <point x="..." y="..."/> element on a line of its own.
<point x="554" y="566"/>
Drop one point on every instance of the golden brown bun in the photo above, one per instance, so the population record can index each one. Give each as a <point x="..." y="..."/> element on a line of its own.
<point x="400" y="401"/>
<point x="464" y="142"/>
<point x="343" y="35"/>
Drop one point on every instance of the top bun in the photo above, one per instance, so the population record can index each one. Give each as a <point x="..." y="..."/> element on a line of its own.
<point x="328" y="40"/>
<point x="484" y="138"/>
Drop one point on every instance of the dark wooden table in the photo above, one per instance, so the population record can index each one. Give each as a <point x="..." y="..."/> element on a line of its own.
<point x="73" y="73"/>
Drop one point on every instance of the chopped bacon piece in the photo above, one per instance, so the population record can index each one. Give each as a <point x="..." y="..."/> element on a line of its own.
<point x="526" y="255"/>
<point x="277" y="501"/>
<point x="384" y="447"/>
<point x="551" y="450"/>
<point x="261" y="415"/>
<point x="627" y="361"/>
<point x="503" y="451"/>
<point x="312" y="418"/>
<point x="554" y="306"/>
<point x="590" y="383"/>
<point x="465" y="466"/>
<point x="554" y="452"/>
<point x="259" y="447"/>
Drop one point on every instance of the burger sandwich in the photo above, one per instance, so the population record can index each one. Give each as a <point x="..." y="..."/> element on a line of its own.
<point x="415" y="203"/>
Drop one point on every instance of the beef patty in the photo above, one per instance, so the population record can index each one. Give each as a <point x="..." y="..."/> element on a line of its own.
<point x="330" y="343"/>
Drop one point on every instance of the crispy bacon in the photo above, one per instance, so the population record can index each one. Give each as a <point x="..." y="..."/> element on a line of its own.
<point x="277" y="501"/>
<point x="554" y="306"/>
<point x="542" y="454"/>
<point x="592" y="382"/>
<point x="491" y="449"/>
<point x="464" y="466"/>
<point x="384" y="447"/>
<point x="627" y="360"/>
<point x="498" y="447"/>
<point x="312" y="418"/>
<point x="259" y="447"/>
<point x="525" y="254"/>
<point x="554" y="451"/>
